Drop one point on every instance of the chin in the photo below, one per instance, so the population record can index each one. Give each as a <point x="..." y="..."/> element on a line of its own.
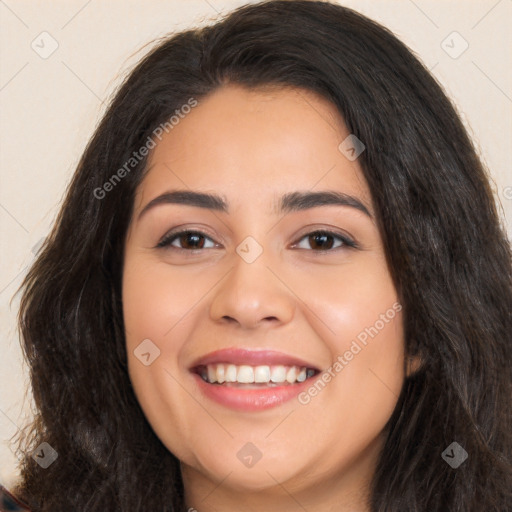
<point x="264" y="474"/>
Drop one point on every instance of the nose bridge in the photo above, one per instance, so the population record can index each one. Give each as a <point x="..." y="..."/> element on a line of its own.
<point x="251" y="293"/>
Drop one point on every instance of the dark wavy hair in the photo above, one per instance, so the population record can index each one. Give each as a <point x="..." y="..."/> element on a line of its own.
<point x="447" y="252"/>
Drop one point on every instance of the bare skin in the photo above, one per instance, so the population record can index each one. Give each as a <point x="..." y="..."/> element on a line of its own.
<point x="307" y="297"/>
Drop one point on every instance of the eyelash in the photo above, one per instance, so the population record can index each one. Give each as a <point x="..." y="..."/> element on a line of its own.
<point x="170" y="237"/>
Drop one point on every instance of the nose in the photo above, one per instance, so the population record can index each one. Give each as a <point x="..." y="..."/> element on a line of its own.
<point x="251" y="296"/>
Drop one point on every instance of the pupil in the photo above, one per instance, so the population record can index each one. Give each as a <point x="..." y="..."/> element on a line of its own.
<point x="315" y="238"/>
<point x="192" y="239"/>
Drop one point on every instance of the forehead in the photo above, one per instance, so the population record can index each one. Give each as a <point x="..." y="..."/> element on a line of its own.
<point x="254" y="145"/>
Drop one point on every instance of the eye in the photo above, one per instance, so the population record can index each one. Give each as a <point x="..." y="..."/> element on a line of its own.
<point x="325" y="241"/>
<point x="188" y="240"/>
<point x="320" y="240"/>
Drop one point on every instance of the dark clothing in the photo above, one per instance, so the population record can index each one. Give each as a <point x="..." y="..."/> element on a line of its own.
<point x="8" y="503"/>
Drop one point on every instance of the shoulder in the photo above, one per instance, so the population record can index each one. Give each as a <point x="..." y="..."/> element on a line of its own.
<point x="9" y="503"/>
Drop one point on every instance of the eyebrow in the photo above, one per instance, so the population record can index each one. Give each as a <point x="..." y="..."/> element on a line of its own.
<point x="291" y="202"/>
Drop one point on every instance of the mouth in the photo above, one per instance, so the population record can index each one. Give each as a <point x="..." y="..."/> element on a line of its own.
<point x="251" y="377"/>
<point x="251" y="380"/>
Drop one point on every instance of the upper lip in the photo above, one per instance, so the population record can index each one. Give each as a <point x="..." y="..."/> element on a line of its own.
<point x="239" y="356"/>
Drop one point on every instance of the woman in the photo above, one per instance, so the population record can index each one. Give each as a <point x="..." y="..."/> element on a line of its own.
<point x="278" y="282"/>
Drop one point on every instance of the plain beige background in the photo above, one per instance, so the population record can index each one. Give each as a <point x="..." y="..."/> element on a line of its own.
<point x="50" y="104"/>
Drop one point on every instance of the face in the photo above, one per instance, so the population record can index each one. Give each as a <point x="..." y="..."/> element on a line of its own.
<point x="278" y="282"/>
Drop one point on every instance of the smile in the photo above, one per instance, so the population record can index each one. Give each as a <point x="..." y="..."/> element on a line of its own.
<point x="251" y="380"/>
<point x="264" y="374"/>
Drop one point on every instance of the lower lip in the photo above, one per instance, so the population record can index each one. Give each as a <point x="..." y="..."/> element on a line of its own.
<point x="250" y="399"/>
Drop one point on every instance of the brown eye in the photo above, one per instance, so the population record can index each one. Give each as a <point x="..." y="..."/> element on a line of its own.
<point x="191" y="241"/>
<point x="186" y="240"/>
<point x="325" y="241"/>
<point x="321" y="241"/>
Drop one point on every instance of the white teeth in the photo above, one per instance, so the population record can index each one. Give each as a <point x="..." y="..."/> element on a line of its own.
<point x="245" y="375"/>
<point x="263" y="374"/>
<point x="231" y="373"/>
<point x="221" y="374"/>
<point x="278" y="374"/>
<point x="291" y="375"/>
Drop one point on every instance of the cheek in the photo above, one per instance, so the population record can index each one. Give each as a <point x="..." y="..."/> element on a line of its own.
<point x="155" y="308"/>
<point x="349" y="298"/>
<point x="153" y="300"/>
<point x="357" y="312"/>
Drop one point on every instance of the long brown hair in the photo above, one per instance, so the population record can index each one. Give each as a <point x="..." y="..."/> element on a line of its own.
<point x="447" y="253"/>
